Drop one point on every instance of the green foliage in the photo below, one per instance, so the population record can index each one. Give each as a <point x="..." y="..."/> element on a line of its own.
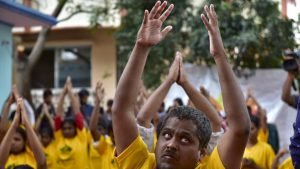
<point x="253" y="32"/>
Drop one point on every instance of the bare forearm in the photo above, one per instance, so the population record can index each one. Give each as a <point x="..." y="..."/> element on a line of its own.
<point x="233" y="98"/>
<point x="4" y="118"/>
<point x="286" y="91"/>
<point x="36" y="146"/>
<point x="125" y="98"/>
<point x="153" y="103"/>
<point x="6" y="146"/>
<point x="94" y="121"/>
<point x="202" y="104"/>
<point x="75" y="104"/>
<point x="60" y="105"/>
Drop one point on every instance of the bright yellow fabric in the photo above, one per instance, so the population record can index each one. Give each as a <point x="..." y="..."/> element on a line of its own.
<point x="286" y="164"/>
<point x="50" y="155"/>
<point x="261" y="153"/>
<point x="25" y="158"/>
<point x="154" y="142"/>
<point x="137" y="156"/>
<point x="212" y="161"/>
<point x="263" y="136"/>
<point x="102" y="155"/>
<point x="72" y="153"/>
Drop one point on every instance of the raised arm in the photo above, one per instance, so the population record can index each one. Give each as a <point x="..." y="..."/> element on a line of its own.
<point x="5" y="145"/>
<point x="153" y="103"/>
<point x="4" y="115"/>
<point x="234" y="140"/>
<point x="286" y="95"/>
<point x="199" y="101"/>
<point x="150" y="34"/>
<point x="39" y="121"/>
<point x="60" y="105"/>
<point x="96" y="115"/>
<point x="75" y="103"/>
<point x="49" y="117"/>
<point x="33" y="140"/>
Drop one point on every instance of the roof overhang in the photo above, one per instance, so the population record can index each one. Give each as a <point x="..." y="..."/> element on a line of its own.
<point x="17" y="15"/>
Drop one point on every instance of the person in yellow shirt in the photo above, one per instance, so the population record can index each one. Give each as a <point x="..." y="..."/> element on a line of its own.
<point x="184" y="133"/>
<point x="258" y="154"/>
<point x="14" y="151"/>
<point x="71" y="138"/>
<point x="46" y="134"/>
<point x="101" y="154"/>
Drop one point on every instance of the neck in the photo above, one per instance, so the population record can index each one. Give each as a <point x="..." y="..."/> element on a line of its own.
<point x="252" y="142"/>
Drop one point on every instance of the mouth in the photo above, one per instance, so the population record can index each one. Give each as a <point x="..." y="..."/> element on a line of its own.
<point x="169" y="157"/>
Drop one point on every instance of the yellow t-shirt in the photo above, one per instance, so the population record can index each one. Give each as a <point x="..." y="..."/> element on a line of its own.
<point x="25" y="158"/>
<point x="72" y="153"/>
<point x="50" y="155"/>
<point x="261" y="153"/>
<point x="263" y="136"/>
<point x="137" y="156"/>
<point x="286" y="164"/>
<point x="102" y="154"/>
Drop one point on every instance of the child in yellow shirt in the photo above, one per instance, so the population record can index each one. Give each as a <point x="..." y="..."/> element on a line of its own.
<point x="14" y="152"/>
<point x="71" y="138"/>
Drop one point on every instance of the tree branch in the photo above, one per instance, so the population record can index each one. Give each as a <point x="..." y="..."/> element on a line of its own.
<point x="73" y="14"/>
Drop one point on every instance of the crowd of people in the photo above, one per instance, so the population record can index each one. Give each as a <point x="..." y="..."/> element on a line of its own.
<point x="136" y="131"/>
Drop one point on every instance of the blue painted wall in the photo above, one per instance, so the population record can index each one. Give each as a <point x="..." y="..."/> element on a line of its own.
<point x="5" y="62"/>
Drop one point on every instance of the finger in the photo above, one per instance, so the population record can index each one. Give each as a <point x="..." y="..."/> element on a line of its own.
<point x="208" y="12"/>
<point x="165" y="31"/>
<point x="160" y="9"/>
<point x="145" y="20"/>
<point x="165" y="15"/>
<point x="205" y="21"/>
<point x="212" y="9"/>
<point x="154" y="10"/>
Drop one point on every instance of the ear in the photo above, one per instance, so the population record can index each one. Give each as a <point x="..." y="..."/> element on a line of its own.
<point x="201" y="153"/>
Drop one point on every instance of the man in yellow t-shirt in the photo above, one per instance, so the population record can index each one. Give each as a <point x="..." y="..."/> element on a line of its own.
<point x="184" y="133"/>
<point x="257" y="154"/>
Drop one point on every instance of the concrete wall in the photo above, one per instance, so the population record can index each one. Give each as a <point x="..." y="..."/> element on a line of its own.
<point x="5" y="62"/>
<point x="103" y="59"/>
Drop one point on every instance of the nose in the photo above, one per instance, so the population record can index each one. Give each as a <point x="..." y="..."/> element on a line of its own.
<point x="172" y="144"/>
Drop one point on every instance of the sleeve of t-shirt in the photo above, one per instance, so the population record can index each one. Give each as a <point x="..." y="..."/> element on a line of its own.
<point x="214" y="161"/>
<point x="79" y="121"/>
<point x="58" y="122"/>
<point x="147" y="135"/>
<point x="271" y="156"/>
<point x="135" y="155"/>
<point x="295" y="141"/>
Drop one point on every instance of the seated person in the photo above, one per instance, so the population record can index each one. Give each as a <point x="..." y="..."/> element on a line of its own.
<point x="184" y="133"/>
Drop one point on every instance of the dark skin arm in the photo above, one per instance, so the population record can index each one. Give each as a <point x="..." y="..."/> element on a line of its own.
<point x="286" y="91"/>
<point x="60" y="105"/>
<point x="150" y="34"/>
<point x="96" y="115"/>
<point x="45" y="113"/>
<point x="6" y="143"/>
<point x="200" y="101"/>
<point x="235" y="139"/>
<point x="4" y="117"/>
<point x="154" y="101"/>
<point x="33" y="140"/>
<point x="75" y="103"/>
